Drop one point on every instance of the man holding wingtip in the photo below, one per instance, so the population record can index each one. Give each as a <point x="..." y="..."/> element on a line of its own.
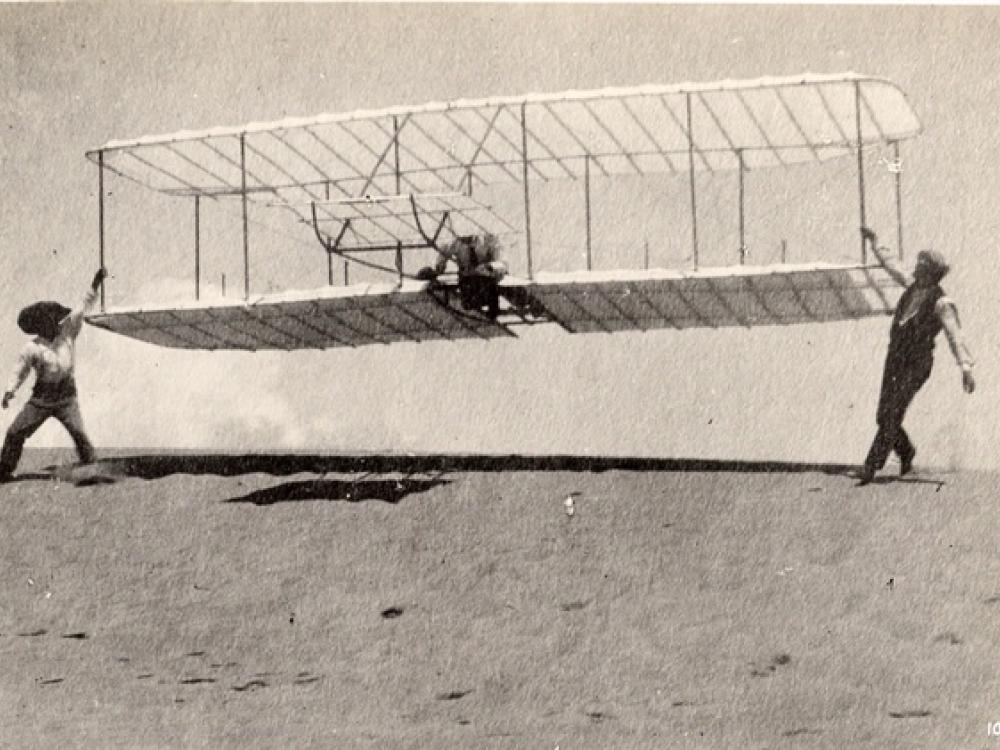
<point x="923" y="311"/>
<point x="52" y="355"/>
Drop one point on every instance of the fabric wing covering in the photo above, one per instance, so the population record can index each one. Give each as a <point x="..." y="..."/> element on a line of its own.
<point x="578" y="302"/>
<point x="320" y="319"/>
<point x="742" y="296"/>
<point x="454" y="146"/>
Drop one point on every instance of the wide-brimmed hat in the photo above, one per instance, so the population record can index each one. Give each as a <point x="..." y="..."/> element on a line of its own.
<point x="41" y="318"/>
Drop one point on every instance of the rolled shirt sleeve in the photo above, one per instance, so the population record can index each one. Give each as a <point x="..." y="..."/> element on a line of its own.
<point x="21" y="370"/>
<point x="948" y="315"/>
<point x="73" y="322"/>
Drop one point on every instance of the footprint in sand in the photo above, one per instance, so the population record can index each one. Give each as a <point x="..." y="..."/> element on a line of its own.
<point x="780" y="660"/>
<point x="799" y="732"/>
<point x="196" y="680"/>
<point x="251" y="685"/>
<point x="81" y="636"/>
<point x="454" y="695"/>
<point x="53" y="681"/>
<point x="948" y="637"/>
<point x="304" y="678"/>
<point x="919" y="713"/>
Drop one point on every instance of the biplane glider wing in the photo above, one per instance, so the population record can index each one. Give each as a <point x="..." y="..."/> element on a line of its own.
<point x="578" y="302"/>
<point x="743" y="296"/>
<point x="403" y="178"/>
<point x="442" y="145"/>
<point x="318" y="318"/>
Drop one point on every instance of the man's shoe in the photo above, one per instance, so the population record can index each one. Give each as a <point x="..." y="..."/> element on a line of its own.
<point x="906" y="464"/>
<point x="866" y="476"/>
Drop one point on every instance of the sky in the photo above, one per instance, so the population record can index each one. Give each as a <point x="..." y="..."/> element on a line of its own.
<point x="73" y="77"/>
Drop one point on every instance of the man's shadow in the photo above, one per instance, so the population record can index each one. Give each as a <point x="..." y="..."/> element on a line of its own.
<point x="882" y="479"/>
<point x="32" y="476"/>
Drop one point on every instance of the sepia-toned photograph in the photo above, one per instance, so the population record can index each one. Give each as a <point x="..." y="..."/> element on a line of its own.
<point x="518" y="375"/>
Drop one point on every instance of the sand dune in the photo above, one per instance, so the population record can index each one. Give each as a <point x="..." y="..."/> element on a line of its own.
<point x="443" y="602"/>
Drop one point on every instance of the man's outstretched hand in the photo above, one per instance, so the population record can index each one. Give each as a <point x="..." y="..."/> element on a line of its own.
<point x="968" y="381"/>
<point x="99" y="277"/>
<point x="7" y="396"/>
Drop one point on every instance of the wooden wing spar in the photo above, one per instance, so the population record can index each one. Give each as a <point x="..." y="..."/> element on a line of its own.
<point x="404" y="178"/>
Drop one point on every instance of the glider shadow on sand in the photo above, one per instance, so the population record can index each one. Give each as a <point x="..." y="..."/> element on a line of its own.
<point x="157" y="466"/>
<point x="389" y="477"/>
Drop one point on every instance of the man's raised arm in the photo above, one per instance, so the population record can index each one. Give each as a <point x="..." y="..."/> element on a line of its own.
<point x="74" y="321"/>
<point x="890" y="264"/>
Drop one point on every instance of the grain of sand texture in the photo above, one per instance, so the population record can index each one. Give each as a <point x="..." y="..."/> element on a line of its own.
<point x="381" y="602"/>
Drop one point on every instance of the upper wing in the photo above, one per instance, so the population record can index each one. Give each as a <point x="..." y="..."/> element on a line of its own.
<point x="456" y="146"/>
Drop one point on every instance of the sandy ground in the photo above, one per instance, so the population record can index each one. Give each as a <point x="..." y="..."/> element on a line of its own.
<point x="217" y="602"/>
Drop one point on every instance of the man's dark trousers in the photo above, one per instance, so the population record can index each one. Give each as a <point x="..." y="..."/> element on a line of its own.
<point x="901" y="380"/>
